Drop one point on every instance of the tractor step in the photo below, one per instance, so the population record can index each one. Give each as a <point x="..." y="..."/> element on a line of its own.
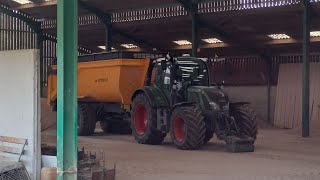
<point x="237" y="144"/>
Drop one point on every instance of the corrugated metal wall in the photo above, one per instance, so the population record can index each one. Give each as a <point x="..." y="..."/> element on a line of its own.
<point x="240" y="71"/>
<point x="288" y="110"/>
<point x="16" y="34"/>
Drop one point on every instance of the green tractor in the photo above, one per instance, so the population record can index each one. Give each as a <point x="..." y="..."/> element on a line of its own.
<point x="179" y="100"/>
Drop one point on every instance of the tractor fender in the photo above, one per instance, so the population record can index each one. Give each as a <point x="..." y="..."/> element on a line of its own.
<point x="154" y="94"/>
<point x="181" y="104"/>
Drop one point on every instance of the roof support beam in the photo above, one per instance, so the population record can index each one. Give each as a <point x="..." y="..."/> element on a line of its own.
<point x="36" y="1"/>
<point x="195" y="34"/>
<point x="105" y="18"/>
<point x="192" y="8"/>
<point x="306" y="68"/>
<point x="32" y="23"/>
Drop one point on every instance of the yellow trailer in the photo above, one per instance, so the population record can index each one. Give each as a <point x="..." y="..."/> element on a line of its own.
<point x="106" y="83"/>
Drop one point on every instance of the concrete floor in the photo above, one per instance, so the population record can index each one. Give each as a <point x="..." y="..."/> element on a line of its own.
<point x="279" y="155"/>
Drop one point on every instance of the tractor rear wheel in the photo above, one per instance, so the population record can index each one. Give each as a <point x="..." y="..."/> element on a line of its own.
<point x="246" y="119"/>
<point x="187" y="127"/>
<point x="144" y="121"/>
<point x="86" y="120"/>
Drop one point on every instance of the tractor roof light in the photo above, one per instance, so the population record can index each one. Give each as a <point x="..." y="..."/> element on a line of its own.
<point x="279" y="36"/>
<point x="104" y="47"/>
<point x="22" y="1"/>
<point x="182" y="42"/>
<point x="129" y="46"/>
<point x="212" y="40"/>
<point x="315" y="33"/>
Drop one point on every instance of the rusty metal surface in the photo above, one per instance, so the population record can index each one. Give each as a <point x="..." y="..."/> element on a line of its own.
<point x="12" y="140"/>
<point x="91" y="166"/>
<point x="8" y="149"/>
<point x="9" y="165"/>
<point x="13" y="171"/>
<point x="288" y="107"/>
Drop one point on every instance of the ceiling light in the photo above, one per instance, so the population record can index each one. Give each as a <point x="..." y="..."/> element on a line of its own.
<point x="315" y="33"/>
<point x="212" y="40"/>
<point x="279" y="36"/>
<point x="104" y="47"/>
<point x="129" y="46"/>
<point x="182" y="42"/>
<point x="22" y="1"/>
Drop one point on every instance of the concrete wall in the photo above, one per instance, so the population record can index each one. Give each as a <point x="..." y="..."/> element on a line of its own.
<point x="19" y="103"/>
<point x="256" y="95"/>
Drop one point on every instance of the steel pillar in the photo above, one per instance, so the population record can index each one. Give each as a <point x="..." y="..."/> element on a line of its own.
<point x="269" y="66"/>
<point x="67" y="139"/>
<point x="108" y="36"/>
<point x="195" y="33"/>
<point x="306" y="69"/>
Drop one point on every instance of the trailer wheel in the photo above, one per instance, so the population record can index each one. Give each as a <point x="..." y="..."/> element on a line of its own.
<point x="144" y="121"/>
<point x="104" y="126"/>
<point x="187" y="127"/>
<point x="86" y="120"/>
<point x="245" y="119"/>
<point x="209" y="130"/>
<point x="208" y="135"/>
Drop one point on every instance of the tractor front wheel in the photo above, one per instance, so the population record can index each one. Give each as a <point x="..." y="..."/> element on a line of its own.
<point x="86" y="120"/>
<point x="187" y="127"/>
<point x="144" y="121"/>
<point x="245" y="118"/>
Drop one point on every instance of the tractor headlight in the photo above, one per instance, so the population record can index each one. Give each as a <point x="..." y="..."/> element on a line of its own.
<point x="215" y="106"/>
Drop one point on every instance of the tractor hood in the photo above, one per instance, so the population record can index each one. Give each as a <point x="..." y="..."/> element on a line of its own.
<point x="214" y="94"/>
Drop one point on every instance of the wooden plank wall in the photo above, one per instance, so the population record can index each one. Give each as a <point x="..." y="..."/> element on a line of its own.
<point x="289" y="95"/>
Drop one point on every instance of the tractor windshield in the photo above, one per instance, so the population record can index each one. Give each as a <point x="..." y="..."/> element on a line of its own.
<point x="194" y="70"/>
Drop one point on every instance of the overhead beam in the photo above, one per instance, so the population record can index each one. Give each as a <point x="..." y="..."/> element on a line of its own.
<point x="32" y="23"/>
<point x="36" y="1"/>
<point x="192" y="9"/>
<point x="225" y="45"/>
<point x="105" y="18"/>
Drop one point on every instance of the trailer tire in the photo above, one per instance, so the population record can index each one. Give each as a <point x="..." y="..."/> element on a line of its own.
<point x="86" y="120"/>
<point x="246" y="119"/>
<point x="208" y="135"/>
<point x="188" y="127"/>
<point x="104" y="126"/>
<point x="144" y="121"/>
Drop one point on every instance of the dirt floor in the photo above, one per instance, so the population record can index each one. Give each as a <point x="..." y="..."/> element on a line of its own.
<point x="279" y="155"/>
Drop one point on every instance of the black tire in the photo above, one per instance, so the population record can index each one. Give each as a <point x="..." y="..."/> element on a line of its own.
<point x="104" y="126"/>
<point x="246" y="119"/>
<point x="86" y="120"/>
<point x="208" y="135"/>
<point x="145" y="132"/>
<point x="187" y="127"/>
<point x="209" y="131"/>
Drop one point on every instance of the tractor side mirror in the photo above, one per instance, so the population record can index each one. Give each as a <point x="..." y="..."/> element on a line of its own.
<point x="163" y="65"/>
